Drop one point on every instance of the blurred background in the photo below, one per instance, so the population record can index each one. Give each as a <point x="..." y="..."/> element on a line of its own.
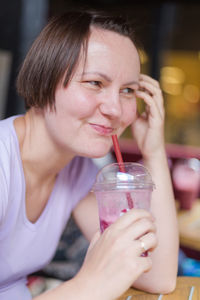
<point x="169" y="32"/>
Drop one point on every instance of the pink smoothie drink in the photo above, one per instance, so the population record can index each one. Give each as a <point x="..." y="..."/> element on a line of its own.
<point x="113" y="204"/>
<point x="115" y="189"/>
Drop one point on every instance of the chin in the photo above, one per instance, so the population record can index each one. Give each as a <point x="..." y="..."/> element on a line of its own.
<point x="96" y="151"/>
<point x="95" y="154"/>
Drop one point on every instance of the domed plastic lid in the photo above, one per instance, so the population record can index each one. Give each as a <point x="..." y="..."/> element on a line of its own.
<point x="133" y="176"/>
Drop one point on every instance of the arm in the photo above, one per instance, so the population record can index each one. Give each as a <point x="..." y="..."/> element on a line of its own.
<point x="86" y="216"/>
<point x="162" y="277"/>
<point x="102" y="266"/>
<point x="120" y="240"/>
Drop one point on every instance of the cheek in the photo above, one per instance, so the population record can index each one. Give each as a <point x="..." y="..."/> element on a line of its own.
<point x="79" y="105"/>
<point x="129" y="113"/>
<point x="86" y="106"/>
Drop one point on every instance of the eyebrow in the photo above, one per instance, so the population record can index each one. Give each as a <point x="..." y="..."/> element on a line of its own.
<point x="131" y="82"/>
<point x="108" y="78"/>
<point x="98" y="73"/>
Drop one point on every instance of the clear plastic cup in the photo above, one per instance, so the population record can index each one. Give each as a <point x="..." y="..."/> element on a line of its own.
<point x="117" y="192"/>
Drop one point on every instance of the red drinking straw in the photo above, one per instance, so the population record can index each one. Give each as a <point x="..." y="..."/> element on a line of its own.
<point x="121" y="165"/>
<point x="118" y="153"/>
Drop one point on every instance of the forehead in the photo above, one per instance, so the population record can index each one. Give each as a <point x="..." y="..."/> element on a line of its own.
<point x="107" y="49"/>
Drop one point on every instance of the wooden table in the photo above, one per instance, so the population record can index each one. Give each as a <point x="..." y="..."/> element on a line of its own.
<point x="182" y="291"/>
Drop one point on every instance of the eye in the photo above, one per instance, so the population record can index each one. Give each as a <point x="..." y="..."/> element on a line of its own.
<point x="94" y="83"/>
<point x="128" y="91"/>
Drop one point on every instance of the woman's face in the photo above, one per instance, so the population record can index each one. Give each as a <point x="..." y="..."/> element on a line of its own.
<point x="100" y="99"/>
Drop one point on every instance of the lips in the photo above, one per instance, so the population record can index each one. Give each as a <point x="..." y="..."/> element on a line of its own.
<point x="102" y="130"/>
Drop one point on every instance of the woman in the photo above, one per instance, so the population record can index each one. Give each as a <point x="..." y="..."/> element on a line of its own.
<point x="80" y="81"/>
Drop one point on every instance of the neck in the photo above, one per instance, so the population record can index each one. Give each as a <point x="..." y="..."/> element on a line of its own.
<point x="41" y="156"/>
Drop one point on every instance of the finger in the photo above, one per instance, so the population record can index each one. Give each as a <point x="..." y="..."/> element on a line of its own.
<point x="148" y="242"/>
<point x="146" y="263"/>
<point x="149" y="79"/>
<point x="145" y="244"/>
<point x="131" y="232"/>
<point x="131" y="217"/>
<point x="140" y="247"/>
<point x="94" y="240"/>
<point x="141" y="264"/>
<point x="152" y="89"/>
<point x="155" y="92"/>
<point x="154" y="111"/>
<point x="144" y="115"/>
<point x="140" y="228"/>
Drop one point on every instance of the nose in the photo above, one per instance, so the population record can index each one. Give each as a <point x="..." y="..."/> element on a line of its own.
<point x="111" y="106"/>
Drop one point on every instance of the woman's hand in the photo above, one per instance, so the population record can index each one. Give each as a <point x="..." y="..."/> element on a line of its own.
<point x="113" y="261"/>
<point x="148" y="128"/>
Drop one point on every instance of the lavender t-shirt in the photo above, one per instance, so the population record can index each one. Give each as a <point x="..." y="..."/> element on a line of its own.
<point x="26" y="247"/>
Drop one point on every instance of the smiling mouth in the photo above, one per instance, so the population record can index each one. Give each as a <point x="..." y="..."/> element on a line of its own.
<point x="102" y="130"/>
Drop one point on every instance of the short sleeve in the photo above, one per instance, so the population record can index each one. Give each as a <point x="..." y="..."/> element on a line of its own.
<point x="82" y="178"/>
<point x="3" y="185"/>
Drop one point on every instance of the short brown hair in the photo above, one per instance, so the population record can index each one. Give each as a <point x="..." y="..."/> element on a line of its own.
<point x="56" y="51"/>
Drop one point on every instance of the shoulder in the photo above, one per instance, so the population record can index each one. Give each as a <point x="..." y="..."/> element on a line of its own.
<point x="82" y="166"/>
<point x="80" y="176"/>
<point x="8" y="140"/>
<point x="8" y="161"/>
<point x="7" y="133"/>
<point x="6" y="126"/>
<point x="4" y="177"/>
